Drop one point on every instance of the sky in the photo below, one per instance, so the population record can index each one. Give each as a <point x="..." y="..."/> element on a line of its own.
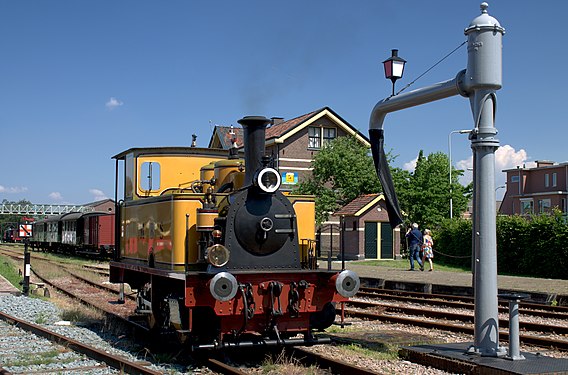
<point x="81" y="81"/>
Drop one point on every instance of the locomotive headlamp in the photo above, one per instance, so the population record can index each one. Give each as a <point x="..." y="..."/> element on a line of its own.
<point x="347" y="283"/>
<point x="223" y="286"/>
<point x="268" y="180"/>
<point x="217" y="255"/>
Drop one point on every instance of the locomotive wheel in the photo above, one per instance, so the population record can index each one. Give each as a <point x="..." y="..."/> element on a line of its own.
<point x="159" y="319"/>
<point x="323" y="319"/>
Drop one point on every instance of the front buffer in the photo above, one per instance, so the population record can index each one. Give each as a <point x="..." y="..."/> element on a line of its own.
<point x="248" y="309"/>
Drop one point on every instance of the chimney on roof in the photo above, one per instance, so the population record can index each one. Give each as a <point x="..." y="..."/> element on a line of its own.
<point x="544" y="163"/>
<point x="234" y="148"/>
<point x="276" y="120"/>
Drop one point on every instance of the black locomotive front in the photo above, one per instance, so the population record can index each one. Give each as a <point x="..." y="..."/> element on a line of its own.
<point x="257" y="226"/>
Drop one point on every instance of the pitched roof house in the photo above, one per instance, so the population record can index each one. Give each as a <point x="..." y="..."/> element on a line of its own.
<point x="367" y="232"/>
<point x="293" y="143"/>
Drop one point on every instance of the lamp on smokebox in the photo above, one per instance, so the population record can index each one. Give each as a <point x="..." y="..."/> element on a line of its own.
<point x="394" y="67"/>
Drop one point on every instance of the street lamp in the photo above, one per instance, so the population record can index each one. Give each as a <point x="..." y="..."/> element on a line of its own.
<point x="394" y="67"/>
<point x="465" y="131"/>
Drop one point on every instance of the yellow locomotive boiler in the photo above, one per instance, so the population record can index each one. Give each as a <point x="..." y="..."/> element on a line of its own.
<point x="216" y="252"/>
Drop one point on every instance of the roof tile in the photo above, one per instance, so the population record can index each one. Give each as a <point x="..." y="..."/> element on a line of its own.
<point x="356" y="204"/>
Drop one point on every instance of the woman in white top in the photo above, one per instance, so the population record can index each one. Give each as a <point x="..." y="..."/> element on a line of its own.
<point x="427" y="251"/>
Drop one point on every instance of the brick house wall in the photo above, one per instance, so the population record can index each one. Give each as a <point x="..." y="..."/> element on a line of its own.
<point x="295" y="155"/>
<point x="368" y="209"/>
<point x="536" y="190"/>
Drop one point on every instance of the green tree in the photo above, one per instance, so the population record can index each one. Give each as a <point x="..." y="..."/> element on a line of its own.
<point x="424" y="194"/>
<point x="343" y="170"/>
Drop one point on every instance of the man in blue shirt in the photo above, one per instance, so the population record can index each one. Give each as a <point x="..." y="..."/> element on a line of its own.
<point x="414" y="244"/>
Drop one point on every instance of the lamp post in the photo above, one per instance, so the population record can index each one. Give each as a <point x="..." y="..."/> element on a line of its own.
<point x="394" y="67"/>
<point x="464" y="131"/>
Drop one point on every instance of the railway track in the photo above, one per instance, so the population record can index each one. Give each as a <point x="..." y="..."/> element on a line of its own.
<point x="446" y="300"/>
<point x="533" y="334"/>
<point x="15" y="331"/>
<point x="402" y="314"/>
<point x="84" y="289"/>
<point x="465" y="316"/>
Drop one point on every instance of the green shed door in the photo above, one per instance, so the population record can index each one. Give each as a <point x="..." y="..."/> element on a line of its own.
<point x="386" y="241"/>
<point x="370" y="240"/>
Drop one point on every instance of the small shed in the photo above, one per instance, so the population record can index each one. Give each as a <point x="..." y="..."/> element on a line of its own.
<point x="366" y="232"/>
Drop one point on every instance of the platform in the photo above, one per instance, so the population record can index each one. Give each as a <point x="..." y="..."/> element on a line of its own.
<point x="453" y="358"/>
<point x="7" y="288"/>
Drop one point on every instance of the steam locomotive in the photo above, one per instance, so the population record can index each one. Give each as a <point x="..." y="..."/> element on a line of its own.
<point x="219" y="256"/>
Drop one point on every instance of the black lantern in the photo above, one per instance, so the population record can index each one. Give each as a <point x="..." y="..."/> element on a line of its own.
<point x="394" y="67"/>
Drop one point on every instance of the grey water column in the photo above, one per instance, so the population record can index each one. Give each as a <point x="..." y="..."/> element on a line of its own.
<point x="483" y="78"/>
<point x="478" y="82"/>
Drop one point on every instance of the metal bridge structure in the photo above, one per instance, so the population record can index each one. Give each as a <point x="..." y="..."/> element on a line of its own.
<point x="41" y="209"/>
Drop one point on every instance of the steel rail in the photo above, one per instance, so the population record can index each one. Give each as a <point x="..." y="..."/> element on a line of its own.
<point x="527" y="306"/>
<point x="92" y="352"/>
<point x="525" y="339"/>
<point x="336" y="366"/>
<point x="503" y="323"/>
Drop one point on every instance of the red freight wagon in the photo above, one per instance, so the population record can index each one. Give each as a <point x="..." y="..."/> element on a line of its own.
<point x="98" y="233"/>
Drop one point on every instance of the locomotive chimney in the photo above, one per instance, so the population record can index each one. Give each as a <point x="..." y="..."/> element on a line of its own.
<point x="254" y="129"/>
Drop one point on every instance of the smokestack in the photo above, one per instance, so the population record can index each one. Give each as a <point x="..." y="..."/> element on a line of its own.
<point x="254" y="129"/>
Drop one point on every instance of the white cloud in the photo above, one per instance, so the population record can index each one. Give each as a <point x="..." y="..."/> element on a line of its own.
<point x="506" y="157"/>
<point x="13" y="190"/>
<point x="56" y="196"/>
<point x="411" y="165"/>
<point x="113" y="103"/>
<point x="98" y="195"/>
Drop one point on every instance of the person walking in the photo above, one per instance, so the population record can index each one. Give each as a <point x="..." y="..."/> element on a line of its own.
<point x="414" y="244"/>
<point x="427" y="248"/>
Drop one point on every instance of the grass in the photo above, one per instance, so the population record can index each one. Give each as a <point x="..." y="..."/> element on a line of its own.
<point x="283" y="364"/>
<point x="404" y="264"/>
<point x="8" y="269"/>
<point x="42" y="358"/>
<point x="388" y="352"/>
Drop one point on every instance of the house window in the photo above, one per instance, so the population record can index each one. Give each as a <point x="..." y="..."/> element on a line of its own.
<point x="527" y="206"/>
<point x="319" y="137"/>
<point x="329" y="135"/>
<point x="543" y="205"/>
<point x="554" y="179"/>
<point x="546" y="180"/>
<point x="314" y="135"/>
<point x="514" y="178"/>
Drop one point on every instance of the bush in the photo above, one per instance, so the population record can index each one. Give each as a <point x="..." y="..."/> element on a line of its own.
<point x="529" y="246"/>
<point x="452" y="243"/>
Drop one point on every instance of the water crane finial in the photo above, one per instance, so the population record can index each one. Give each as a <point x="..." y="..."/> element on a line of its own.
<point x="484" y="7"/>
